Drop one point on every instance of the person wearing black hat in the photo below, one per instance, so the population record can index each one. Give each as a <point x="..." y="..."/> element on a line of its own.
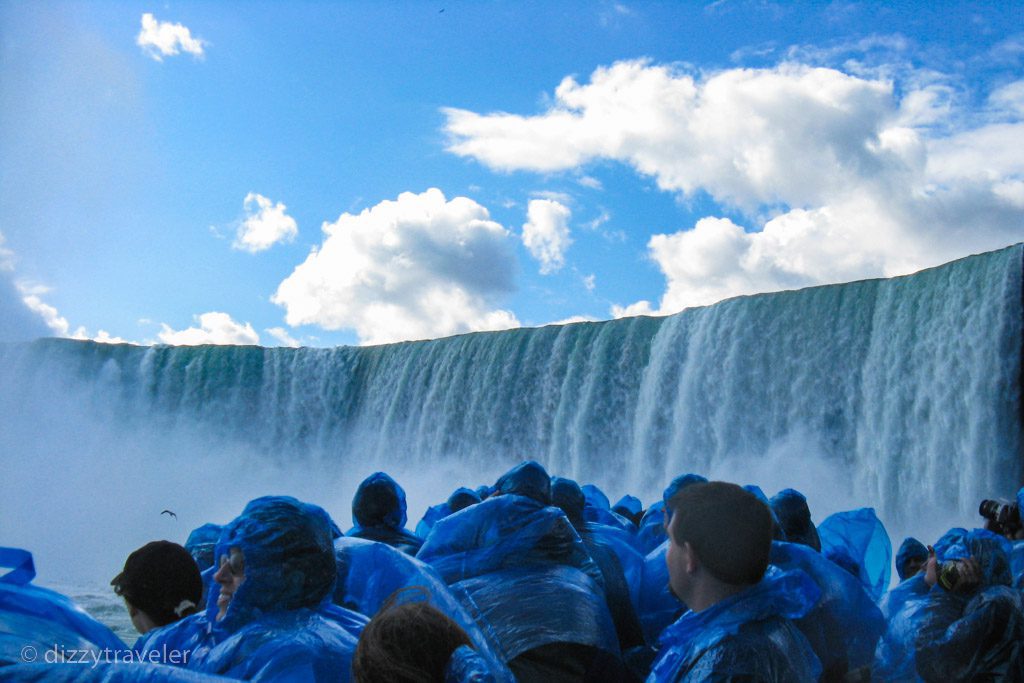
<point x="160" y="584"/>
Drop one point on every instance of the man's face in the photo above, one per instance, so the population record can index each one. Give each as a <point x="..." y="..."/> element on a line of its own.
<point x="679" y="563"/>
<point x="230" y="575"/>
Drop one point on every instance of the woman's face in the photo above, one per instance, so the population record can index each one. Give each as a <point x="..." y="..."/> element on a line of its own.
<point x="230" y="575"/>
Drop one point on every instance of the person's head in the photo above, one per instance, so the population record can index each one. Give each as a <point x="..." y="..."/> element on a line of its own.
<point x="720" y="541"/>
<point x="794" y="516"/>
<point x="379" y="501"/>
<point x="200" y="545"/>
<point x="407" y="643"/>
<point x="680" y="483"/>
<point x="277" y="555"/>
<point x="629" y="507"/>
<point x="910" y="558"/>
<point x="160" y="584"/>
<point x="567" y="495"/>
<point x="461" y="499"/>
<point x="528" y="479"/>
<point x="595" y="497"/>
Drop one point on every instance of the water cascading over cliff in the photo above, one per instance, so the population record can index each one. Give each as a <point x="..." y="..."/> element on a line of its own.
<point x="908" y="389"/>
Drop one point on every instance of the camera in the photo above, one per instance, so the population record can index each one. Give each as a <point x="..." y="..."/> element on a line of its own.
<point x="1002" y="513"/>
<point x="949" y="575"/>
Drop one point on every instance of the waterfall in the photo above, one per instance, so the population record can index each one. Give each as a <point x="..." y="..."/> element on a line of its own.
<point x="906" y="390"/>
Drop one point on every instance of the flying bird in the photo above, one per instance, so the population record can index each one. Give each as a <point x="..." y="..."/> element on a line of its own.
<point x="168" y="512"/>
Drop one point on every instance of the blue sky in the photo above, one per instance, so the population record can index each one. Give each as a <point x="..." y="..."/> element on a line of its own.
<point x="364" y="172"/>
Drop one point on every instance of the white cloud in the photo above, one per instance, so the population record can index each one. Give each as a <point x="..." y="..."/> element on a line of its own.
<point x="634" y="309"/>
<point x="102" y="337"/>
<point x="31" y="296"/>
<point x="214" y="328"/>
<point x="835" y="176"/>
<point x="590" y="182"/>
<point x="590" y="282"/>
<point x="415" y="268"/>
<point x="546" y="233"/>
<point x="161" y="39"/>
<point x="574" y="319"/>
<point x="265" y="225"/>
<point x="282" y="337"/>
<point x="750" y="137"/>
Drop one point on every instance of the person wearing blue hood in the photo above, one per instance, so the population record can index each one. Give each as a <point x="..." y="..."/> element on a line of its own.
<point x="201" y="543"/>
<point x="379" y="511"/>
<point x="793" y="515"/>
<point x="518" y="565"/>
<point x="567" y="495"/>
<point x="972" y="624"/>
<point x="738" y="625"/>
<point x="269" y="617"/>
<point x="910" y="558"/>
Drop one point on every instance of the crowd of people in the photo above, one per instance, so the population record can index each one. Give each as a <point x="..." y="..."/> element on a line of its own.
<point x="537" y="578"/>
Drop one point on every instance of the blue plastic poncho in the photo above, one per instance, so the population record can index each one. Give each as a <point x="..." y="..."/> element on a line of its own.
<point x="790" y="508"/>
<point x="680" y="483"/>
<point x="1017" y="563"/>
<point x="467" y="666"/>
<point x="121" y="671"/>
<point x="978" y="635"/>
<point x="902" y="607"/>
<point x="501" y="532"/>
<point x="777" y="533"/>
<point x="860" y="536"/>
<point x="910" y="549"/>
<point x="605" y="546"/>
<point x="460" y="499"/>
<point x="379" y="513"/>
<point x="201" y="543"/>
<point x="369" y="574"/>
<point x="749" y="636"/>
<point x="280" y="624"/>
<point x="430" y="517"/>
<point x="949" y="539"/>
<point x="36" y="620"/>
<point x="651" y="533"/>
<point x="844" y="626"/>
<point x="657" y="606"/>
<point x="912" y="605"/>
<point x="628" y="506"/>
<point x="521" y="570"/>
<point x="595" y="497"/>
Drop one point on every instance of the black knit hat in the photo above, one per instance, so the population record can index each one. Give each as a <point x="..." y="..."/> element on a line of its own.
<point x="162" y="580"/>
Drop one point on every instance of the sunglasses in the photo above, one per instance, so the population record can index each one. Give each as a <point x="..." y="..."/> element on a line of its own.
<point x="235" y="564"/>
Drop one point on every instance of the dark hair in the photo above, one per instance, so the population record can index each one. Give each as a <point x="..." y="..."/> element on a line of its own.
<point x="728" y="528"/>
<point x="162" y="580"/>
<point x="407" y="643"/>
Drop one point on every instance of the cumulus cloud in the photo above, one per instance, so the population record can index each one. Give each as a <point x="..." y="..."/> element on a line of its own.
<point x="265" y="224"/>
<point x="413" y="268"/>
<point x="161" y="39"/>
<point x="213" y="328"/>
<point x="546" y="233"/>
<point x="833" y="176"/>
<point x="31" y="296"/>
<point x="283" y="338"/>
